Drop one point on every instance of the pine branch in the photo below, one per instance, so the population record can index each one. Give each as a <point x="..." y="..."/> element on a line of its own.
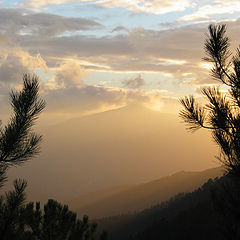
<point x="17" y="142"/>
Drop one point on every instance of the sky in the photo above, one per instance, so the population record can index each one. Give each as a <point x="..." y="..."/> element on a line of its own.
<point x="99" y="55"/>
<point x="92" y="56"/>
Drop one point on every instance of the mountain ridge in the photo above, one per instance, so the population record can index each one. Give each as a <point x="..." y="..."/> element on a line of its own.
<point x="141" y="196"/>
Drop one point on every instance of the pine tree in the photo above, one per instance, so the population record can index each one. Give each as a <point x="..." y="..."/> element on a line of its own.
<point x="10" y="207"/>
<point x="222" y="113"/>
<point x="56" y="222"/>
<point x="18" y="143"/>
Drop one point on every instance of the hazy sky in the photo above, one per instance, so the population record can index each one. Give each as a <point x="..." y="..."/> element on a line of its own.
<point x="98" y="55"/>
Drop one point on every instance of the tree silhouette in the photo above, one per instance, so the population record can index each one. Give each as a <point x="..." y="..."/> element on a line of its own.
<point x="56" y="221"/>
<point x="10" y="208"/>
<point x="222" y="113"/>
<point x="18" y="143"/>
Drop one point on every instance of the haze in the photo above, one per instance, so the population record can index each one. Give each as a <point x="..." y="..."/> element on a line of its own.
<point x="129" y="145"/>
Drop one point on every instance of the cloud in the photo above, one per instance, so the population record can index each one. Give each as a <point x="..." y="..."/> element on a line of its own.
<point x="70" y="74"/>
<point x="29" y="61"/>
<point x="32" y="41"/>
<point x="25" y="22"/>
<point x="216" y="8"/>
<point x="140" y="46"/>
<point x="90" y="98"/>
<point x="119" y="29"/>
<point x="66" y="93"/>
<point x="15" y="62"/>
<point x="134" y="83"/>
<point x="146" y="6"/>
<point x="3" y="39"/>
<point x="80" y="46"/>
<point x="176" y="52"/>
<point x="11" y="70"/>
<point x="40" y="3"/>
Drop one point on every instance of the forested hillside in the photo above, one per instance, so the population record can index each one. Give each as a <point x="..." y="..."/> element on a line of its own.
<point x="186" y="216"/>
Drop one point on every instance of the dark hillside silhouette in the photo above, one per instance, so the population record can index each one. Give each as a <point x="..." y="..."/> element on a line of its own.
<point x="185" y="216"/>
<point x="141" y="196"/>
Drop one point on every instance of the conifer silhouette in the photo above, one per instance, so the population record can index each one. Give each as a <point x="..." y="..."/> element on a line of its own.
<point x="18" y="143"/>
<point x="222" y="113"/>
<point x="222" y="117"/>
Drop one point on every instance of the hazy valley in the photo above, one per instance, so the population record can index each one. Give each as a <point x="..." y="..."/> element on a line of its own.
<point x="126" y="146"/>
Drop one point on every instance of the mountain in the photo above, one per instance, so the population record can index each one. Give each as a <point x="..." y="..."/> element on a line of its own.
<point x="125" y="146"/>
<point x="124" y="199"/>
<point x="97" y="196"/>
<point x="195" y="215"/>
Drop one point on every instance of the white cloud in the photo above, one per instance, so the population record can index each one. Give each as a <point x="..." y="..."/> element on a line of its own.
<point x="40" y="3"/>
<point x="29" y="61"/>
<point x="69" y="74"/>
<point x="88" y="99"/>
<point x="15" y="62"/>
<point x="218" y="8"/>
<point x="147" y="6"/>
<point x="153" y="6"/>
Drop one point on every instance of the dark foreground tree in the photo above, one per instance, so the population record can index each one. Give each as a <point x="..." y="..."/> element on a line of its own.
<point x="221" y="115"/>
<point x="18" y="143"/>
<point x="29" y="222"/>
<point x="56" y="221"/>
<point x="10" y="207"/>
